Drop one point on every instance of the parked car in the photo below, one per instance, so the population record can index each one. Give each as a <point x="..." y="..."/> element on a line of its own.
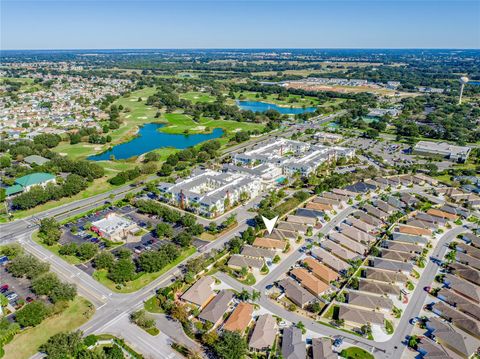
<point x="4" y="288"/>
<point x="11" y="296"/>
<point x="29" y="299"/>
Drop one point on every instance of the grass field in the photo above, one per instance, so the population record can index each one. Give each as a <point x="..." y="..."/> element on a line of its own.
<point x="26" y="343"/>
<point x="143" y="280"/>
<point x="179" y="123"/>
<point x="356" y="353"/>
<point x="291" y="100"/>
<point x="195" y="97"/>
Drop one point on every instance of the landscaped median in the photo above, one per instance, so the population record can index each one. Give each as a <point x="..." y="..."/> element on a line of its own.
<point x="142" y="278"/>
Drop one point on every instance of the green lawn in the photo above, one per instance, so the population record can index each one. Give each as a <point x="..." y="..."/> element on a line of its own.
<point x="356" y="353"/>
<point x="142" y="280"/>
<point x="180" y="123"/>
<point x="291" y="100"/>
<point x="152" y="305"/>
<point x="26" y="343"/>
<point x="195" y="97"/>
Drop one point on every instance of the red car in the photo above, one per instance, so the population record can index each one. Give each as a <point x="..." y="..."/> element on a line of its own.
<point x="29" y="299"/>
<point x="4" y="288"/>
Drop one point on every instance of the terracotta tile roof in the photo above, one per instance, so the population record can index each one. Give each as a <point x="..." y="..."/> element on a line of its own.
<point x="309" y="281"/>
<point x="240" y="318"/>
<point x="320" y="270"/>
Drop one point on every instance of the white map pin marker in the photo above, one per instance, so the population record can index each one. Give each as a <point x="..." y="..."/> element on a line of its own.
<point x="270" y="223"/>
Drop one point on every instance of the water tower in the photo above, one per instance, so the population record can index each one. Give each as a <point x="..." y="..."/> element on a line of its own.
<point x="463" y="81"/>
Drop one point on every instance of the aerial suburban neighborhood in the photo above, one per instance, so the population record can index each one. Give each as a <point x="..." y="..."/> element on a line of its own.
<point x="239" y="180"/>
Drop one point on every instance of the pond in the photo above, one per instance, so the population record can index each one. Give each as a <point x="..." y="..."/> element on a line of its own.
<point x="257" y="106"/>
<point x="149" y="139"/>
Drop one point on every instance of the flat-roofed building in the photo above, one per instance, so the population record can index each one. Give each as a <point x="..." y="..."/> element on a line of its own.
<point x="114" y="227"/>
<point x="442" y="150"/>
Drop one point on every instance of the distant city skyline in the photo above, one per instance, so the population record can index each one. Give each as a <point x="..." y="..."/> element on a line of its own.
<point x="117" y="24"/>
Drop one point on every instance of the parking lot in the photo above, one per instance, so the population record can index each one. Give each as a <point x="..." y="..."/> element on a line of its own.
<point x="16" y="290"/>
<point x="391" y="153"/>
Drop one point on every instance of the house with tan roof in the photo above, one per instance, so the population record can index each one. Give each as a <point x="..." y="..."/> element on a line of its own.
<point x="309" y="281"/>
<point x="384" y="275"/>
<point x="460" y="302"/>
<point x="381" y="288"/>
<point x="280" y="234"/>
<point x="365" y="227"/>
<point x="240" y="318"/>
<point x="410" y="239"/>
<point x="470" y="250"/>
<point x="322" y="349"/>
<point x="238" y="262"/>
<point x="319" y="206"/>
<point x="339" y="251"/>
<point x="302" y="220"/>
<point x="442" y="214"/>
<point x="392" y="265"/>
<point x="268" y="243"/>
<point x="457" y="341"/>
<point x="430" y="349"/>
<point x="320" y="270"/>
<point x="347" y="242"/>
<point x="356" y="317"/>
<point x="414" y="230"/>
<point x="384" y="206"/>
<point x="200" y="293"/>
<point x="375" y="212"/>
<point x="462" y="287"/>
<point x="369" y="301"/>
<point x="414" y="222"/>
<point x="256" y="252"/>
<point x="468" y="260"/>
<point x="368" y="219"/>
<point x="472" y="239"/>
<point x="402" y="247"/>
<point x="468" y="273"/>
<point x="329" y="259"/>
<point x="264" y="333"/>
<point x="397" y="255"/>
<point x="356" y="234"/>
<point x="296" y="293"/>
<point x="292" y="226"/>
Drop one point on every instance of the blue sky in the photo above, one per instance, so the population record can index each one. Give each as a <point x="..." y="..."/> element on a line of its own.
<point x="92" y="24"/>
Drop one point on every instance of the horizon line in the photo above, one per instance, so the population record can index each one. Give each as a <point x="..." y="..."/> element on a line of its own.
<point x="242" y="48"/>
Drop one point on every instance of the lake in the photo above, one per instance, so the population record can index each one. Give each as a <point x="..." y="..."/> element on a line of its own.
<point x="149" y="139"/>
<point x="257" y="106"/>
